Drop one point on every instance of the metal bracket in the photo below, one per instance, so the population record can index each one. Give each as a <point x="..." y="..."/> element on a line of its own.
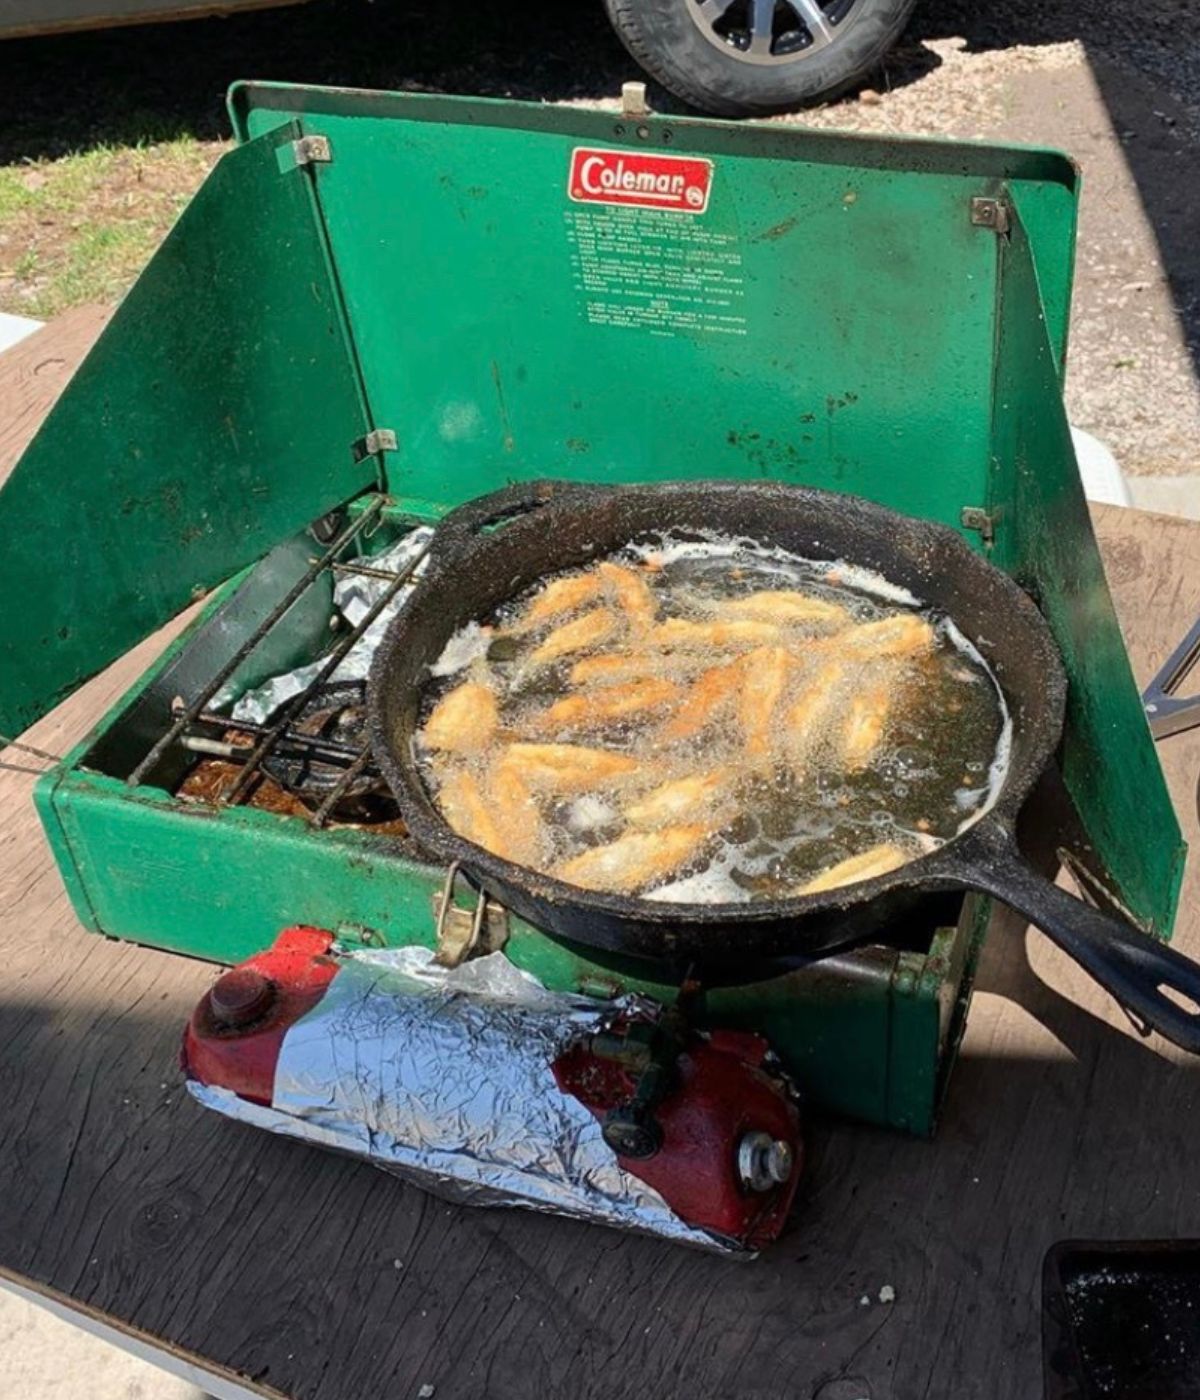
<point x="1167" y="712"/>
<point x="633" y="100"/>
<point x="989" y="212"/>
<point x="462" y="933"/>
<point x="376" y="441"/>
<point x="312" y="150"/>
<point x="976" y="518"/>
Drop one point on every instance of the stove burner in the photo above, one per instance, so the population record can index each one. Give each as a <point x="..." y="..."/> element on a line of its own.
<point x="335" y="712"/>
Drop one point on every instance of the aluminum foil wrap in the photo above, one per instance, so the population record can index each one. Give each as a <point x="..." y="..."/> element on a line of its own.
<point x="354" y="595"/>
<point x="444" y="1077"/>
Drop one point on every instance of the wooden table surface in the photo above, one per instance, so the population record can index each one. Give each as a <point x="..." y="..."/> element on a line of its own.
<point x="320" y="1277"/>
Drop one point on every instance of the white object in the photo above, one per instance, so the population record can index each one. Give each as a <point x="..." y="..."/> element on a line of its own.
<point x="15" y="328"/>
<point x="1102" y="477"/>
<point x="1168" y="495"/>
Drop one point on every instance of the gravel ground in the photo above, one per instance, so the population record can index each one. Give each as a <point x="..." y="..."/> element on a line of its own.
<point x="1117" y="86"/>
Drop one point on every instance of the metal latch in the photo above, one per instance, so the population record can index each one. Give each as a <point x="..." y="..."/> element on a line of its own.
<point x="976" y="518"/>
<point x="461" y="933"/>
<point x="989" y="212"/>
<point x="312" y="150"/>
<point x="376" y="441"/>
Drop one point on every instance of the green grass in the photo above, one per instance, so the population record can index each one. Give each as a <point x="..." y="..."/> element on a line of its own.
<point x="80" y="228"/>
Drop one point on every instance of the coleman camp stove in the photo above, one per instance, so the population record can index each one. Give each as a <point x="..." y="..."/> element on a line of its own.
<point x="379" y="306"/>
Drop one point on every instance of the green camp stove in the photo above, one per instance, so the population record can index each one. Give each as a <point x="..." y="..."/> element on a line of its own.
<point x="381" y="305"/>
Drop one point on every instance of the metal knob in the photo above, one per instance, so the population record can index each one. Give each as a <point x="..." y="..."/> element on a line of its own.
<point x="764" y="1162"/>
<point x="240" y="997"/>
<point x="632" y="1131"/>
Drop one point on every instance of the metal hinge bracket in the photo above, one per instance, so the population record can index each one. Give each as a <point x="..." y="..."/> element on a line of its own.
<point x="312" y="150"/>
<point x="376" y="441"/>
<point x="461" y="933"/>
<point x="976" y="518"/>
<point x="989" y="212"/>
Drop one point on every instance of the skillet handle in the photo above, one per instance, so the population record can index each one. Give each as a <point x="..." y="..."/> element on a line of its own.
<point x="1130" y="964"/>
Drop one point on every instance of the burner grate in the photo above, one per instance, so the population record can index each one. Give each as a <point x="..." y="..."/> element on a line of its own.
<point x="282" y="737"/>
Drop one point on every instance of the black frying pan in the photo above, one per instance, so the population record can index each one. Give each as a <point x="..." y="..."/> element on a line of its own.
<point x="552" y="526"/>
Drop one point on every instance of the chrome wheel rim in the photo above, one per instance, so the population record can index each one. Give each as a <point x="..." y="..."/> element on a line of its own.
<point x="772" y="31"/>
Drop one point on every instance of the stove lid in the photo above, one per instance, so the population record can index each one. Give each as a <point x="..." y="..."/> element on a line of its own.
<point x="551" y="291"/>
<point x="215" y="416"/>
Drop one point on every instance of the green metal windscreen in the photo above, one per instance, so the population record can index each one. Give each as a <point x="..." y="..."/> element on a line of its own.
<point x="822" y="312"/>
<point x="214" y="417"/>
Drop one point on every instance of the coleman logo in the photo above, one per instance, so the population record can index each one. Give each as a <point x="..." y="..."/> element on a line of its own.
<point x="647" y="181"/>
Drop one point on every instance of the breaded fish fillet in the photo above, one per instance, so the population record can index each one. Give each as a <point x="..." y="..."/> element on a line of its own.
<point x="612" y="703"/>
<point x="679" y="798"/>
<point x="764" y="675"/>
<point x="866" y="720"/>
<point x="634" y="860"/>
<point x="568" y="767"/>
<point x="559" y="596"/>
<point x="815" y="703"/>
<point x="712" y="690"/>
<point x="633" y="594"/>
<point x="463" y="804"/>
<point x="581" y="634"/>
<point x="879" y="860"/>
<point x="740" y="632"/>
<point x="463" y="720"/>
<point x="785" y="606"/>
<point x="903" y="634"/>
<point x="608" y="667"/>
<point x="516" y="812"/>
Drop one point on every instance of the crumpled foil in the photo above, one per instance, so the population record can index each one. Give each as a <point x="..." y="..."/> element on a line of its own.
<point x="443" y="1076"/>
<point x="354" y="595"/>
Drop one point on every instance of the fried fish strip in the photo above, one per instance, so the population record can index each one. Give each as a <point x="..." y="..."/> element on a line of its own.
<point x="805" y="723"/>
<point x="614" y="702"/>
<point x="634" y="860"/>
<point x="632" y="593"/>
<point x="463" y="720"/>
<point x="581" y="634"/>
<point x="765" y="675"/>
<point x="679" y="798"/>
<point x="568" y="767"/>
<point x="516" y="812"/>
<point x="866" y="719"/>
<point x="679" y="632"/>
<point x="879" y="860"/>
<point x="707" y="697"/>
<point x="465" y="807"/>
<point x="902" y="634"/>
<point x="559" y="596"/>
<point x="785" y="605"/>
<point x="611" y="666"/>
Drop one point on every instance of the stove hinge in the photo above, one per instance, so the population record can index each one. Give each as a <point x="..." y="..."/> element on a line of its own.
<point x="373" y="443"/>
<point x="312" y="150"/>
<point x="989" y="212"/>
<point x="976" y="518"/>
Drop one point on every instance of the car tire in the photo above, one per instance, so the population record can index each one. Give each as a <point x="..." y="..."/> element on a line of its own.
<point x="672" y="46"/>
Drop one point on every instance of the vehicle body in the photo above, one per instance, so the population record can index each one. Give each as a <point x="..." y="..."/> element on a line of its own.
<point x="727" y="57"/>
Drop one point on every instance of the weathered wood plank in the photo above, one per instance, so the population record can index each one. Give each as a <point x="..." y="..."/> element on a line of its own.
<point x="35" y="371"/>
<point x="324" y="1279"/>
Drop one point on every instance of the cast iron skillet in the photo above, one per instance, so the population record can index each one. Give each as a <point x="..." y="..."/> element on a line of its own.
<point x="551" y="526"/>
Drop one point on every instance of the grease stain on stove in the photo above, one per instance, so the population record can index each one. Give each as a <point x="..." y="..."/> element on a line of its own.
<point x="770" y="456"/>
<point x="777" y="231"/>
